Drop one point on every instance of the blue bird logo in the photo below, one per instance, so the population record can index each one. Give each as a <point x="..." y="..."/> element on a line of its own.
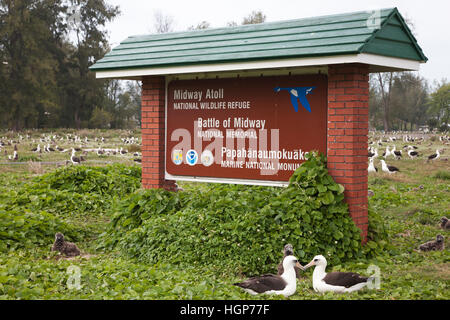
<point x="300" y="94"/>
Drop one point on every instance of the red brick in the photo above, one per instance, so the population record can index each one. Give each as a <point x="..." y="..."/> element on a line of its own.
<point x="332" y="105"/>
<point x="336" y="132"/>
<point x="336" y="118"/>
<point x="347" y="84"/>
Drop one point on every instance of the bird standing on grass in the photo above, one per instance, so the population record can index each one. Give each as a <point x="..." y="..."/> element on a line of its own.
<point x="386" y="168"/>
<point x="372" y="167"/>
<point x="396" y="153"/>
<point x="413" y="154"/>
<point x="373" y="153"/>
<point x="335" y="281"/>
<point x="37" y="149"/>
<point x="434" y="156"/>
<point x="285" y="284"/>
<point x="14" y="157"/>
<point x="73" y="159"/>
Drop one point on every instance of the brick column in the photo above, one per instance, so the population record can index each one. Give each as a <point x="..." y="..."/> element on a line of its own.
<point x="153" y="138"/>
<point x="347" y="136"/>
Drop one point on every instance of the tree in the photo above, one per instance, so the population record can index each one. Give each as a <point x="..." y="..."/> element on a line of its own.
<point x="100" y="119"/>
<point x="201" y="26"/>
<point x="254" y="17"/>
<point x="84" y="92"/>
<point x="163" y="23"/>
<point x="409" y="99"/>
<point x="29" y="29"/>
<point x="382" y="82"/>
<point x="439" y="103"/>
<point x="46" y="49"/>
<point x="398" y="100"/>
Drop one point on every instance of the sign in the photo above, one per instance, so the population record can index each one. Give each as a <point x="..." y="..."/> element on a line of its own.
<point x="257" y="129"/>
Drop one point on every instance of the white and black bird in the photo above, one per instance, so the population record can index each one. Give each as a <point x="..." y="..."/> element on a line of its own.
<point x="434" y="156"/>
<point x="335" y="281"/>
<point x="14" y="156"/>
<point x="37" y="149"/>
<point x="373" y="153"/>
<point x="396" y="153"/>
<point x="74" y="159"/>
<point x="413" y="154"/>
<point x="372" y="167"/>
<point x="386" y="168"/>
<point x="285" y="284"/>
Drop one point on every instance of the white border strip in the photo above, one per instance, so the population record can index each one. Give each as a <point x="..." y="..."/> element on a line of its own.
<point x="365" y="58"/>
<point x="228" y="180"/>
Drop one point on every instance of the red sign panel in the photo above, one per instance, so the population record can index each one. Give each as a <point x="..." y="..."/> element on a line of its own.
<point x="244" y="128"/>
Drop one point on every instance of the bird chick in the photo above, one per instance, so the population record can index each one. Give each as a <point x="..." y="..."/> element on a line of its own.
<point x="68" y="249"/>
<point x="437" y="244"/>
<point x="445" y="223"/>
<point x="288" y="251"/>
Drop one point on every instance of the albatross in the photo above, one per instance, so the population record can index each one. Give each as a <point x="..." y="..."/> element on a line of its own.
<point x="386" y="168"/>
<point x="73" y="159"/>
<point x="434" y="156"/>
<point x="285" y="284"/>
<point x="371" y="167"/>
<point x="334" y="281"/>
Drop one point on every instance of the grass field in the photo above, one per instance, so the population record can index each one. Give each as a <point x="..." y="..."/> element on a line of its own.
<point x="410" y="202"/>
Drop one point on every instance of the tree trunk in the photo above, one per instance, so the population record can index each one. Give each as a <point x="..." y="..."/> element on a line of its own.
<point x="386" y="99"/>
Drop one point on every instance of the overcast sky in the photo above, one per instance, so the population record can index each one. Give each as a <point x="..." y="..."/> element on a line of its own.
<point x="430" y="18"/>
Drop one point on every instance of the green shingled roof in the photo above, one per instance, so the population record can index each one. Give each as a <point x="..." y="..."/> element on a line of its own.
<point x="319" y="36"/>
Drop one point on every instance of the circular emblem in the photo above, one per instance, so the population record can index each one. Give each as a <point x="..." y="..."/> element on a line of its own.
<point x="177" y="156"/>
<point x="207" y="158"/>
<point x="191" y="157"/>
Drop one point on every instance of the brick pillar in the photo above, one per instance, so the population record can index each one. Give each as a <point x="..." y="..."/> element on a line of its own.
<point x="347" y="136"/>
<point x="153" y="139"/>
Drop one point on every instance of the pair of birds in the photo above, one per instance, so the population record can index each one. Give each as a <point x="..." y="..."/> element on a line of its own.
<point x="384" y="167"/>
<point x="14" y="156"/>
<point x="289" y="269"/>
<point x="396" y="153"/>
